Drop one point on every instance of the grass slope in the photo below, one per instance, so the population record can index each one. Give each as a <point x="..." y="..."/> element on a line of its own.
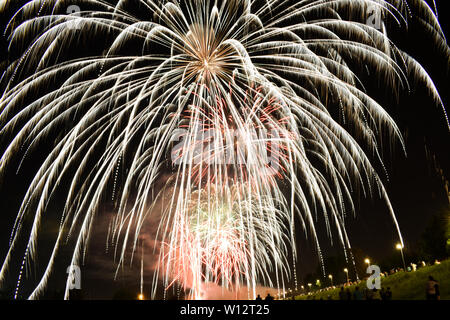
<point x="404" y="285"/>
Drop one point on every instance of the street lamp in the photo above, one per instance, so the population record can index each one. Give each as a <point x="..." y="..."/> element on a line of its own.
<point x="399" y="246"/>
<point x="367" y="261"/>
<point x="331" y="278"/>
<point x="346" y="273"/>
<point x="140" y="296"/>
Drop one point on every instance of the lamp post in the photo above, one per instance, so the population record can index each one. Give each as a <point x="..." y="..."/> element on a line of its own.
<point x="367" y="261"/>
<point x="346" y="273"/>
<point x="331" y="279"/>
<point x="399" y="246"/>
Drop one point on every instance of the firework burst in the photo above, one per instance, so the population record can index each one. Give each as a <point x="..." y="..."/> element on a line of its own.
<point x="264" y="96"/>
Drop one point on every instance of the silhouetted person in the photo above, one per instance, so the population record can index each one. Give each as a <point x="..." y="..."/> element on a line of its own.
<point x="268" y="297"/>
<point x="375" y="294"/>
<point x="432" y="289"/>
<point x="258" y="297"/>
<point x="369" y="294"/>
<point x="75" y="294"/>
<point x="388" y="294"/>
<point x="348" y="294"/>
<point x="383" y="294"/>
<point x="357" y="294"/>
<point x="342" y="295"/>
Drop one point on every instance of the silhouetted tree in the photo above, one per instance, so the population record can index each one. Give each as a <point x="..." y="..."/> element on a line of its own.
<point x="124" y="294"/>
<point x="434" y="239"/>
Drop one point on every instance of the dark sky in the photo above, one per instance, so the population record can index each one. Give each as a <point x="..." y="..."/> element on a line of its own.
<point x="415" y="190"/>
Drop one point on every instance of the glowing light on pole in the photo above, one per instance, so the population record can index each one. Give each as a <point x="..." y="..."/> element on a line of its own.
<point x="346" y="274"/>
<point x="399" y="247"/>
<point x="318" y="284"/>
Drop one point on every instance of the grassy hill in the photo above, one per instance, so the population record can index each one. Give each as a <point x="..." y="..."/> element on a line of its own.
<point x="404" y="285"/>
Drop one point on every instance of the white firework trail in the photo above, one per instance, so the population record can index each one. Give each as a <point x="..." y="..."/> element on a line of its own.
<point x="256" y="82"/>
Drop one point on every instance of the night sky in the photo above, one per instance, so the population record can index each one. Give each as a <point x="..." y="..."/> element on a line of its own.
<point x="415" y="189"/>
